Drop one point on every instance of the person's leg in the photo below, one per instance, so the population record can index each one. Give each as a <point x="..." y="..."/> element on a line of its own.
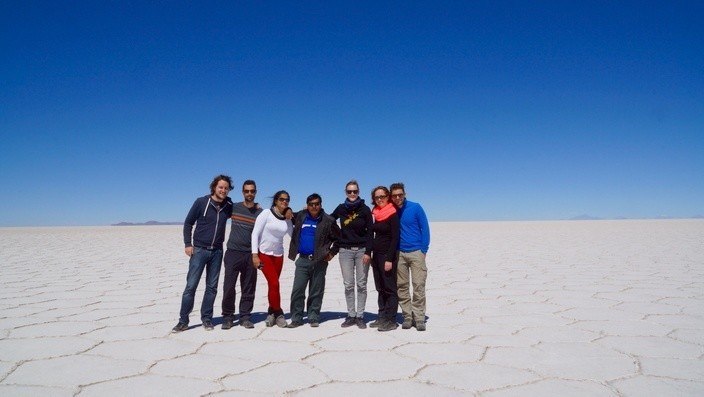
<point x="212" y="275"/>
<point x="346" y="258"/>
<point x="317" y="289"/>
<point x="403" y="284"/>
<point x="390" y="295"/>
<point x="248" y="283"/>
<point x="298" y="291"/>
<point x="419" y="273"/>
<point x="361" y="273"/>
<point x="272" y="269"/>
<point x="229" y="292"/>
<point x="196" y="265"/>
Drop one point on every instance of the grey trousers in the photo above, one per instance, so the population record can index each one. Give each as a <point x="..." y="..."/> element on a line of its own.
<point x="412" y="272"/>
<point x="353" y="268"/>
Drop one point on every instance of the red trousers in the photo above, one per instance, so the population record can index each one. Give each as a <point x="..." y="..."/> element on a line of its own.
<point x="272" y="270"/>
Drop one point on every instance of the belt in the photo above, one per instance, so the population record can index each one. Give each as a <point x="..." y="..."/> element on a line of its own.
<point x="210" y="248"/>
<point x="309" y="257"/>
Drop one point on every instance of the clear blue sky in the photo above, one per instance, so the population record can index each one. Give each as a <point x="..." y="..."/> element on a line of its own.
<point x="124" y="111"/>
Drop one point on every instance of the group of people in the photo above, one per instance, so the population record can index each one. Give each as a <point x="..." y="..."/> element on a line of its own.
<point x="392" y="238"/>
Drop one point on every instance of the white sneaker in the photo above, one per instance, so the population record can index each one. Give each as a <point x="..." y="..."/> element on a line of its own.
<point x="281" y="321"/>
<point x="269" y="322"/>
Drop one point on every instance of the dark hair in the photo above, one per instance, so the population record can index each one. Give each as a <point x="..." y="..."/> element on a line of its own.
<point x="277" y="195"/>
<point x="313" y="197"/>
<point x="219" y="178"/>
<point x="397" y="185"/>
<point x="352" y="182"/>
<point x="249" y="182"/>
<point x="380" y="188"/>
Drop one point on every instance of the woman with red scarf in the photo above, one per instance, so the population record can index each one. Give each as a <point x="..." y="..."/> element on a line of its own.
<point x="384" y="260"/>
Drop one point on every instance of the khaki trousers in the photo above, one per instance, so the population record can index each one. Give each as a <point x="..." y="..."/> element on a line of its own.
<point x="412" y="271"/>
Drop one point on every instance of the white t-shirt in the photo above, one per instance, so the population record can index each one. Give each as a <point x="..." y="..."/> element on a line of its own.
<point x="268" y="234"/>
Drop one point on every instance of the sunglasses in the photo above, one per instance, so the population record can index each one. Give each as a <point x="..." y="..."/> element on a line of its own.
<point x="352" y="191"/>
<point x="249" y="190"/>
<point x="284" y="199"/>
<point x="314" y="204"/>
<point x="380" y="197"/>
<point x="399" y="195"/>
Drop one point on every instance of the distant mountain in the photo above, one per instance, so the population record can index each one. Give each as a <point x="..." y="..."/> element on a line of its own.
<point x="585" y="217"/>
<point x="148" y="223"/>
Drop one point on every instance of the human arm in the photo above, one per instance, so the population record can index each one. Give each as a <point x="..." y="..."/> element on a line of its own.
<point x="188" y="224"/>
<point x="424" y="230"/>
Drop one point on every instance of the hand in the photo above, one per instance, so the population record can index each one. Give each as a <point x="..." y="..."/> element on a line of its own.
<point x="388" y="266"/>
<point x="366" y="259"/>
<point x="189" y="251"/>
<point x="329" y="257"/>
<point x="288" y="214"/>
<point x="256" y="262"/>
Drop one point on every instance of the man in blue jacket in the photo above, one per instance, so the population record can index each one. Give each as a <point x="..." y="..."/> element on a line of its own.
<point x="413" y="246"/>
<point x="209" y="214"/>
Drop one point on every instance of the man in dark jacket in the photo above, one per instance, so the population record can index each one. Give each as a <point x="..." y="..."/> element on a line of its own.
<point x="314" y="241"/>
<point x="209" y="214"/>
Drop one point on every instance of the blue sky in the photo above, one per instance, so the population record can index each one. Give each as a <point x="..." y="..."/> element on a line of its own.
<point x="124" y="111"/>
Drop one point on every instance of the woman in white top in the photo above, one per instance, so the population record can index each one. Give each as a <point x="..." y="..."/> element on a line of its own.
<point x="268" y="251"/>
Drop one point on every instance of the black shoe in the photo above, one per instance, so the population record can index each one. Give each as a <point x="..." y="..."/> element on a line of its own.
<point x="375" y="324"/>
<point x="360" y="323"/>
<point x="246" y="323"/>
<point x="294" y="324"/>
<point x="179" y="327"/>
<point x="207" y="325"/>
<point x="388" y="326"/>
<point x="226" y="323"/>
<point x="314" y="324"/>
<point x="349" y="321"/>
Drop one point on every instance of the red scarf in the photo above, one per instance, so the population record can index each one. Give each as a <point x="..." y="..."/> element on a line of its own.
<point x="383" y="213"/>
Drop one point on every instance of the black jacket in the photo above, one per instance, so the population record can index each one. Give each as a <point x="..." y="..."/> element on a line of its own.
<point x="326" y="235"/>
<point x="355" y="225"/>
<point x="210" y="222"/>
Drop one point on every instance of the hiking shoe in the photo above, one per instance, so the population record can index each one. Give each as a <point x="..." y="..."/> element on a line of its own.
<point x="388" y="326"/>
<point x="314" y="324"/>
<point x="420" y="326"/>
<point x="270" y="320"/>
<point x="247" y="323"/>
<point x="360" y="323"/>
<point x="179" y="327"/>
<point x="376" y="323"/>
<point x="349" y="321"/>
<point x="294" y="324"/>
<point x="227" y="323"/>
<point x="207" y="325"/>
<point x="407" y="323"/>
<point x="281" y="321"/>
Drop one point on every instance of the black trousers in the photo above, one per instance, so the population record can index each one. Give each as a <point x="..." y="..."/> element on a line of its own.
<point x="239" y="264"/>
<point x="385" y="283"/>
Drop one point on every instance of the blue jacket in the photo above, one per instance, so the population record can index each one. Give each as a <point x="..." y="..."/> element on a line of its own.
<point x="209" y="221"/>
<point x="415" y="231"/>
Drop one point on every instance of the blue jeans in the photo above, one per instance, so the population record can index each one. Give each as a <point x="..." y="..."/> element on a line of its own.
<point x="210" y="261"/>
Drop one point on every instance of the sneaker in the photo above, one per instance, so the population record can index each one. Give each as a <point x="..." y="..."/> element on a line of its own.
<point x="270" y="320"/>
<point x="294" y="324"/>
<point x="388" y="326"/>
<point x="281" y="321"/>
<point x="376" y="323"/>
<point x="207" y="325"/>
<point x="227" y="323"/>
<point x="179" y="327"/>
<point x="360" y="323"/>
<point x="420" y="326"/>
<point x="247" y="323"/>
<point x="349" y="321"/>
<point x="407" y="323"/>
<point x="314" y="324"/>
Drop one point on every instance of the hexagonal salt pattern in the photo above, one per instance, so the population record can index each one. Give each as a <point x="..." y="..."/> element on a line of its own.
<point x="608" y="308"/>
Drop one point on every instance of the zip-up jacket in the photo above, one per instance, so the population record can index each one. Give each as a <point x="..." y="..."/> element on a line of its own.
<point x="355" y="225"/>
<point x="210" y="222"/>
<point x="326" y="235"/>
